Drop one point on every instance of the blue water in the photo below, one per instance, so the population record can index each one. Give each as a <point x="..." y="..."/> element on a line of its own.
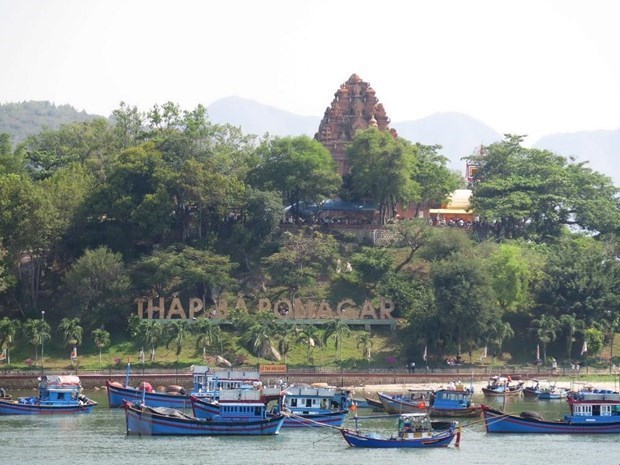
<point x="99" y="439"/>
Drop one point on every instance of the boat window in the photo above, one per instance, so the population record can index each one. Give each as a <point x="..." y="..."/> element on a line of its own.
<point x="308" y="402"/>
<point x="61" y="396"/>
<point x="293" y="402"/>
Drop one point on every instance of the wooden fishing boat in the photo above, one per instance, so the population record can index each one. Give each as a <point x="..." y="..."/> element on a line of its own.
<point x="56" y="395"/>
<point x="453" y="403"/>
<point x="375" y="404"/>
<point x="415" y="400"/>
<point x="163" y="421"/>
<point x="590" y="417"/>
<point x="501" y="386"/>
<point x="414" y="430"/>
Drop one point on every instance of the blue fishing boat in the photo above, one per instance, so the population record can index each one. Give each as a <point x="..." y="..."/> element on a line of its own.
<point x="239" y="403"/>
<point x="415" y="430"/>
<point x="56" y="395"/>
<point x="553" y="392"/>
<point x="597" y="414"/>
<point x="453" y="403"/>
<point x="416" y="400"/>
<point x="162" y="421"/>
<point x="307" y="406"/>
<point x="206" y="383"/>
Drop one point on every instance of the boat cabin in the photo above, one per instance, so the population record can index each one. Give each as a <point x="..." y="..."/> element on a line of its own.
<point x="451" y="399"/>
<point x="599" y="405"/>
<point x="414" y="426"/>
<point x="57" y="390"/>
<point x="307" y="400"/>
<point x="242" y="411"/>
<point x="207" y="382"/>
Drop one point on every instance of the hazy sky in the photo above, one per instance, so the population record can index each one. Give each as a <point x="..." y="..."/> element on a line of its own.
<point x="524" y="67"/>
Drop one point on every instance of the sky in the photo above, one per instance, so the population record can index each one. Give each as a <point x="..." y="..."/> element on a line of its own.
<point x="529" y="67"/>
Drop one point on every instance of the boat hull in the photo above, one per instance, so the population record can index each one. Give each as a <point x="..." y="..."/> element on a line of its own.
<point x="15" y="408"/>
<point x="395" y="405"/>
<point x="442" y="439"/>
<point x="498" y="422"/>
<point x="501" y="393"/>
<point x="118" y="395"/>
<point x="146" y="422"/>
<point x="467" y="412"/>
<point x="315" y="420"/>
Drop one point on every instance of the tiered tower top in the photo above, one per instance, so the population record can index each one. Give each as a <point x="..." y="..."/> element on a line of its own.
<point x="354" y="107"/>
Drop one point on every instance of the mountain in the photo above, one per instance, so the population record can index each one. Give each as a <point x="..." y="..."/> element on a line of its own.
<point x="24" y="119"/>
<point x="256" y="118"/>
<point x="600" y="148"/>
<point x="457" y="133"/>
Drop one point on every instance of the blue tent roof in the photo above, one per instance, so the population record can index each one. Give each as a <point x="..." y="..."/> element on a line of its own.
<point x="336" y="205"/>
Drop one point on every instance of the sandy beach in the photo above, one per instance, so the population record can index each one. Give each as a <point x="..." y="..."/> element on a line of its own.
<point x="371" y="390"/>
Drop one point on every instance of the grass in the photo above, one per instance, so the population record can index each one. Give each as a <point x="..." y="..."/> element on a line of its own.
<point x="385" y="353"/>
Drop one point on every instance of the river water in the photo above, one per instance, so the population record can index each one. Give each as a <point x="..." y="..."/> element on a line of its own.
<point x="99" y="439"/>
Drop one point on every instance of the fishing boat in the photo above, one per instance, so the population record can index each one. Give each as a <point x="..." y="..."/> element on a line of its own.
<point x="500" y="386"/>
<point x="230" y="402"/>
<point x="416" y="400"/>
<point x="414" y="430"/>
<point x="553" y="392"/>
<point x="533" y="389"/>
<point x="374" y="404"/>
<point x="162" y="421"/>
<point x="453" y="403"/>
<point x="206" y="383"/>
<point x="307" y="406"/>
<point x="57" y="394"/>
<point x="597" y="414"/>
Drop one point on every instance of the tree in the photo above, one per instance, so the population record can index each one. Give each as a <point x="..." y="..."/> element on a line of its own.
<point x="302" y="258"/>
<point x="8" y="330"/>
<point x="412" y="235"/>
<point x="545" y="329"/>
<point x="382" y="170"/>
<point x="71" y="330"/>
<point x="175" y="333"/>
<point x="259" y="337"/>
<point x="466" y="302"/>
<point x="365" y="343"/>
<point x="514" y="267"/>
<point x="372" y="264"/>
<point x="207" y="334"/>
<point x="101" y="338"/>
<point x="337" y="330"/>
<point x="98" y="286"/>
<point x="535" y="193"/>
<point x="569" y="325"/>
<point x="36" y="332"/>
<point x="300" y="168"/>
<point x="286" y="336"/>
<point x="308" y="335"/>
<point x="497" y="332"/>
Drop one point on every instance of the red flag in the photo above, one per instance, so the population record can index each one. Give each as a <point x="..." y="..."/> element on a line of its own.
<point x="74" y="353"/>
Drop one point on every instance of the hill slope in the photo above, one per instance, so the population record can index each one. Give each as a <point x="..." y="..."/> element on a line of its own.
<point x="24" y="119"/>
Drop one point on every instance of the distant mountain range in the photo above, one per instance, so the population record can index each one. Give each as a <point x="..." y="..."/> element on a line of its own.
<point x="457" y="133"/>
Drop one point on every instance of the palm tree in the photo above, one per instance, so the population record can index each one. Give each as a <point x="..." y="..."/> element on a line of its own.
<point x="153" y="334"/>
<point x="8" y="330"/>
<point x="309" y="336"/>
<point x="337" y="330"/>
<point x="71" y="331"/>
<point x="497" y="332"/>
<point x="101" y="338"/>
<point x="364" y="342"/>
<point x="287" y="334"/>
<point x="570" y="324"/>
<point x="176" y="331"/>
<point x="36" y="332"/>
<point x="259" y="338"/>
<point x="545" y="329"/>
<point x="207" y="333"/>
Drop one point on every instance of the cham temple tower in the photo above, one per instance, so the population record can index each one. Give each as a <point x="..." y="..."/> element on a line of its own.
<point x="354" y="107"/>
